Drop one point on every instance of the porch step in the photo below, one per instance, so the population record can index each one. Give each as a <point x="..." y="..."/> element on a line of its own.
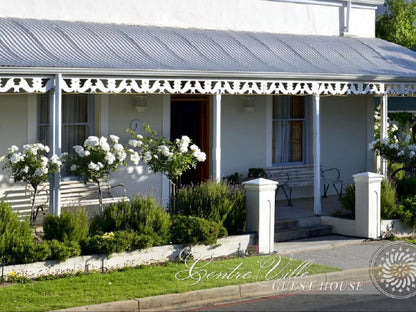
<point x="287" y="230"/>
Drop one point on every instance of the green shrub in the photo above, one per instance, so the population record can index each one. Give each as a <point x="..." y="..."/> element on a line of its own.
<point x="112" y="242"/>
<point x="406" y="186"/>
<point x="388" y="206"/>
<point x="17" y="244"/>
<point x="193" y="230"/>
<point x="254" y="173"/>
<point x="216" y="201"/>
<point x="387" y="200"/>
<point x="348" y="199"/>
<point x="63" y="250"/>
<point x="68" y="227"/>
<point x="143" y="215"/>
<point x="407" y="210"/>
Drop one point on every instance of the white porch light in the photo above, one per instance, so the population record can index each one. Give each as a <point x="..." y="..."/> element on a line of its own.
<point x="140" y="103"/>
<point x="249" y="103"/>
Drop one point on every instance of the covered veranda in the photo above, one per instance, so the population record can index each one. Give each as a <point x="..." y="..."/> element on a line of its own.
<point x="62" y="57"/>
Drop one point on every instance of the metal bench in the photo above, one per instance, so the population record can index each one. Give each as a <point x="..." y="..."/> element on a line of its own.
<point x="73" y="194"/>
<point x="298" y="176"/>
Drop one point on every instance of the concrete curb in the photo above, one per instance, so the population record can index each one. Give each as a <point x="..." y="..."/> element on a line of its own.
<point x="211" y="296"/>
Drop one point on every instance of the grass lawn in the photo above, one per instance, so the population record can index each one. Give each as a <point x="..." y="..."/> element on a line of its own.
<point x="149" y="281"/>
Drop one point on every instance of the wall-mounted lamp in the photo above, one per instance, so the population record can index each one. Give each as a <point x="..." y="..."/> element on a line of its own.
<point x="249" y="103"/>
<point x="140" y="103"/>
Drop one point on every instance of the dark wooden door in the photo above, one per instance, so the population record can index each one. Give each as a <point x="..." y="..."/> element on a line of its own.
<point x="190" y="116"/>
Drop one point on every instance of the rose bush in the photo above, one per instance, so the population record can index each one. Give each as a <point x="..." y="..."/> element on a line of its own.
<point x="97" y="158"/>
<point x="32" y="166"/>
<point x="161" y="155"/>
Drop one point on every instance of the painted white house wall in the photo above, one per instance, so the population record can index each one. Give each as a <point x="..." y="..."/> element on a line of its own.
<point x="243" y="135"/>
<point x="345" y="134"/>
<point x="313" y="17"/>
<point x="14" y="127"/>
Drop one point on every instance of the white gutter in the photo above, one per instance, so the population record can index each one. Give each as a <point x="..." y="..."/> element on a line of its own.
<point x="155" y="74"/>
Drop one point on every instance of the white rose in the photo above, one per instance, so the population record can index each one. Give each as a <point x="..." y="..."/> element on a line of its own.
<point x="16" y="157"/>
<point x="110" y="158"/>
<point x="114" y="138"/>
<point x="118" y="147"/>
<point x="92" y="166"/>
<point x="26" y="169"/>
<point x="185" y="139"/>
<point x="73" y="167"/>
<point x="92" y="141"/>
<point x="135" y="158"/>
<point x="147" y="157"/>
<point x="78" y="149"/>
<point x="13" y="149"/>
<point x="135" y="143"/>
<point x="2" y="158"/>
<point x="201" y="157"/>
<point x="105" y="146"/>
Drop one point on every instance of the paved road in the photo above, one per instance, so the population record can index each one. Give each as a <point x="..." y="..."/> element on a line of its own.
<point x="321" y="302"/>
<point x="345" y="257"/>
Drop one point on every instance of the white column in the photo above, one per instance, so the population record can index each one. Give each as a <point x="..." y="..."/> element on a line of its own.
<point x="383" y="128"/>
<point x="260" y="211"/>
<point x="317" y="209"/>
<point x="55" y="117"/>
<point x="367" y="204"/>
<point x="166" y="122"/>
<point x="216" y="146"/>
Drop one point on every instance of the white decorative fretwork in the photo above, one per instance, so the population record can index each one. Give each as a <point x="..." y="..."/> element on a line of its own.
<point x="116" y="85"/>
<point x="26" y="84"/>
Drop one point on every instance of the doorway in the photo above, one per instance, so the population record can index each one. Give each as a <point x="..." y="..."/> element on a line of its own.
<point x="190" y="116"/>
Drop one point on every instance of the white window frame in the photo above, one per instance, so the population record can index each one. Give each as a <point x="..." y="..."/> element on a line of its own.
<point x="305" y="133"/>
<point x="90" y="124"/>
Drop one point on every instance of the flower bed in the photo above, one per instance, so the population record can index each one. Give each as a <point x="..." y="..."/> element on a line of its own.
<point x="231" y="245"/>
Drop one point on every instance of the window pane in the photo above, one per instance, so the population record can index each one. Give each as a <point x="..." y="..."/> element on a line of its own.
<point x="298" y="108"/>
<point x="288" y="129"/>
<point x="75" y="108"/>
<point x="71" y="136"/>
<point x="296" y="141"/>
<point x="44" y="135"/>
<point x="282" y="107"/>
<point x="44" y="109"/>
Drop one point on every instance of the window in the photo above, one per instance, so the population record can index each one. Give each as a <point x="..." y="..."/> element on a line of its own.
<point x="77" y="120"/>
<point x="289" y="130"/>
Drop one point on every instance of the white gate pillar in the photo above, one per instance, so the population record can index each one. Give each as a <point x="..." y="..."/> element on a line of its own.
<point x="367" y="204"/>
<point x="260" y="214"/>
<point x="55" y="124"/>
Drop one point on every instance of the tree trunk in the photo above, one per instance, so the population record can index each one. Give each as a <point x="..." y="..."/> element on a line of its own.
<point x="100" y="199"/>
<point x="33" y="213"/>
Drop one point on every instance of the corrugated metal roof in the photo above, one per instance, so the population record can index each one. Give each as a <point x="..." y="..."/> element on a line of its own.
<point x="27" y="43"/>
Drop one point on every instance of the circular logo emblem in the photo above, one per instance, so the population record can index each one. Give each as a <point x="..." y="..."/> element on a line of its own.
<point x="393" y="270"/>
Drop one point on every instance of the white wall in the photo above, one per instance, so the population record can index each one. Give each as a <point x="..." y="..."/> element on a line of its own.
<point x="243" y="135"/>
<point x="317" y="18"/>
<point x="15" y="127"/>
<point x="120" y="113"/>
<point x="345" y="134"/>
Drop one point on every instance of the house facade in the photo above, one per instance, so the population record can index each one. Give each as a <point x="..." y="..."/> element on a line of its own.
<point x="254" y="83"/>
